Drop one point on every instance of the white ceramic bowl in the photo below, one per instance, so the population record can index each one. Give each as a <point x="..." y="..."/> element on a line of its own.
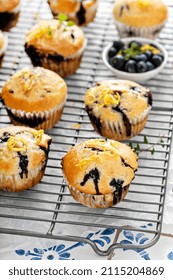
<point x="137" y="77"/>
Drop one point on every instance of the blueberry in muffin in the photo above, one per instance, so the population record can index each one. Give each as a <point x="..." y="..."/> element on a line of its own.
<point x="82" y="12"/>
<point x="118" y="109"/>
<point x="9" y="13"/>
<point x="141" y="18"/>
<point x="34" y="97"/>
<point x="99" y="173"/>
<point x="23" y="157"/>
<point x="57" y="45"/>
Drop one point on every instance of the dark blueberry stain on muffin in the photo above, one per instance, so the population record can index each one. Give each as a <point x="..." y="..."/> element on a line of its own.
<point x="7" y="20"/>
<point x="23" y="164"/>
<point x="32" y="122"/>
<point x="126" y="164"/>
<point x="72" y="36"/>
<point x="117" y="185"/>
<point x="136" y="89"/>
<point x="81" y="14"/>
<point x="56" y="57"/>
<point x="149" y="96"/>
<point x="130" y="33"/>
<point x="127" y="7"/>
<point x="125" y="120"/>
<point x="157" y="31"/>
<point x="96" y="121"/>
<point x="46" y="151"/>
<point x="34" y="55"/>
<point x="92" y="175"/>
<point x="97" y="150"/>
<point x="5" y="137"/>
<point x="121" y="11"/>
<point x="11" y="91"/>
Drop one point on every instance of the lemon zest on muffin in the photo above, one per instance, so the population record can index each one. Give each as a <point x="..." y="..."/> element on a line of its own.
<point x="38" y="135"/>
<point x="95" y="142"/>
<point x="114" y="144"/>
<point x="90" y="98"/>
<point x="100" y="144"/>
<point x="147" y="47"/>
<point x="143" y="3"/>
<point x="108" y="97"/>
<point x="44" y="30"/>
<point x="17" y="144"/>
<point x="87" y="160"/>
<point x="27" y="78"/>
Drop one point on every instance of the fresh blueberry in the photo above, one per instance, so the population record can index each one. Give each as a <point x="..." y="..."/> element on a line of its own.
<point x="112" y="52"/>
<point x="118" y="62"/>
<point x="148" y="54"/>
<point x="119" y="45"/>
<point x="134" y="44"/>
<point x="157" y="60"/>
<point x="141" y="67"/>
<point x="130" y="66"/>
<point x="161" y="55"/>
<point x="141" y="57"/>
<point x="150" y="66"/>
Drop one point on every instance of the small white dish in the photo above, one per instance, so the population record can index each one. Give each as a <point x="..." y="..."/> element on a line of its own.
<point x="137" y="77"/>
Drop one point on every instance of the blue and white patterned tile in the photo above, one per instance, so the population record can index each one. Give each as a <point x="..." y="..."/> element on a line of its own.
<point x="162" y="250"/>
<point x="25" y="248"/>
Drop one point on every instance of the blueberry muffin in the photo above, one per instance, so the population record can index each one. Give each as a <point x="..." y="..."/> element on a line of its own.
<point x="23" y="157"/>
<point x="3" y="45"/>
<point x="81" y="12"/>
<point x="118" y="109"/>
<point x="142" y="18"/>
<point x="9" y="13"/>
<point x="99" y="173"/>
<point x="57" y="45"/>
<point x="34" y="97"/>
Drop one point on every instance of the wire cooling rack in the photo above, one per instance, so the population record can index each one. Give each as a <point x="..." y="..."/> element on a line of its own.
<point x="48" y="210"/>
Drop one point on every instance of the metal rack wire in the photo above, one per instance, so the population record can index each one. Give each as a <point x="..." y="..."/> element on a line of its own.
<point x="48" y="209"/>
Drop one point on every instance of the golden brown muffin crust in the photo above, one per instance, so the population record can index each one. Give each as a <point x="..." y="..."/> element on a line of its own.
<point x="95" y="166"/>
<point x="8" y="5"/>
<point x="140" y="13"/>
<point x="57" y="38"/>
<point x="34" y="90"/>
<point x="17" y="142"/>
<point x="70" y="6"/>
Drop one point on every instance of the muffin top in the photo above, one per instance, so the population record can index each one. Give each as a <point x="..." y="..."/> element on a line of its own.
<point x="140" y="13"/>
<point x="117" y="100"/>
<point x="61" y="37"/>
<point x="70" y="6"/>
<point x="34" y="90"/>
<point x="22" y="149"/>
<point x="99" y="167"/>
<point x="8" y="6"/>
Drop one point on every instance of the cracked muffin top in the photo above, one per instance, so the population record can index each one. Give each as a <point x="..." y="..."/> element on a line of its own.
<point x="113" y="98"/>
<point x="8" y="6"/>
<point x="22" y="149"/>
<point x="99" y="167"/>
<point x="140" y="13"/>
<point x="34" y="90"/>
<point x="70" y="6"/>
<point x="61" y="37"/>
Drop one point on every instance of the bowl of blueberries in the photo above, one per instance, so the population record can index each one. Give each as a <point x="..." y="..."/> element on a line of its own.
<point x="136" y="59"/>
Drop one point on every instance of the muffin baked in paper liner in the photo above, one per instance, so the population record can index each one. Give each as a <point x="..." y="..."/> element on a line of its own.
<point x="44" y="119"/>
<point x="146" y="32"/>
